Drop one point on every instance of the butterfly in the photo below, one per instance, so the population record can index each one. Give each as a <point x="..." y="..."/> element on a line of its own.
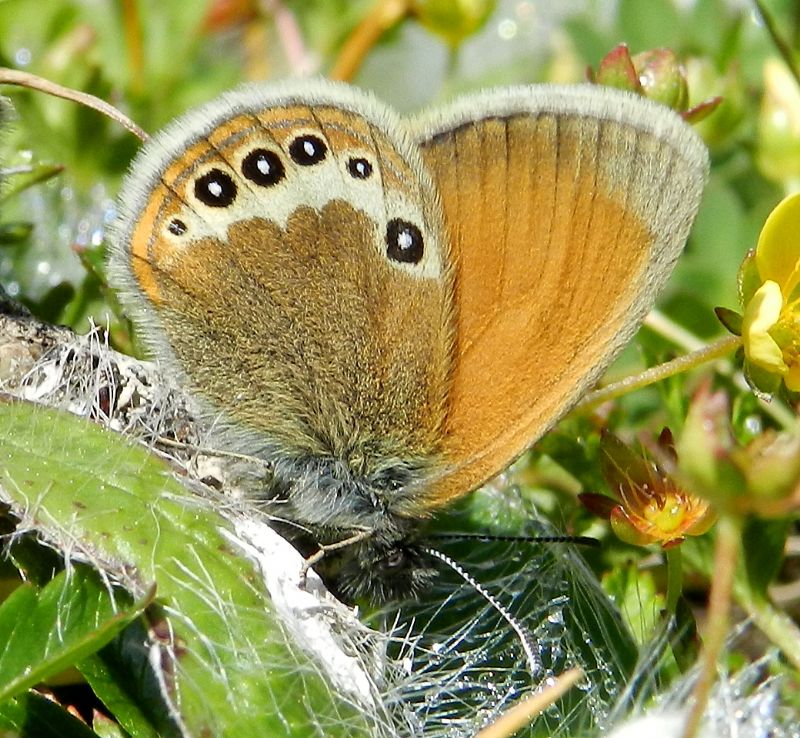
<point x="390" y="310"/>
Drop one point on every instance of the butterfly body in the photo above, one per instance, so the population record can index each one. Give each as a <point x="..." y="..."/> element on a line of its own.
<point x="391" y="311"/>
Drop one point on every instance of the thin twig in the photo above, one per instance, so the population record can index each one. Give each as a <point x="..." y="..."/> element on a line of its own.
<point x="673" y="332"/>
<point x="726" y="553"/>
<point x="33" y="82"/>
<point x="300" y="60"/>
<point x="780" y="43"/>
<point x="525" y="710"/>
<point x="383" y="15"/>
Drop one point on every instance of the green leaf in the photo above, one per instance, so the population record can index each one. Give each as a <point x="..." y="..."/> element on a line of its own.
<point x="50" y="308"/>
<point x="107" y="728"/>
<point x="653" y="25"/>
<point x="45" y="631"/>
<point x="635" y="593"/>
<point x="730" y="319"/>
<point x="14" y="233"/>
<point x="18" y="183"/>
<point x="33" y="716"/>
<point x="616" y="70"/>
<point x="96" y="492"/>
<point x="748" y="279"/>
<point x="120" y="676"/>
<point x="546" y="588"/>
<point x="763" y="544"/>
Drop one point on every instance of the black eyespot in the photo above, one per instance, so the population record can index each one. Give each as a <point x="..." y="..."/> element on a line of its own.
<point x="177" y="227"/>
<point x="263" y="167"/>
<point x="215" y="189"/>
<point x="404" y="241"/>
<point x="359" y="168"/>
<point x="308" y="150"/>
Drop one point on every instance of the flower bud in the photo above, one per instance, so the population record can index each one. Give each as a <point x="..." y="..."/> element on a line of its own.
<point x="452" y="20"/>
<point x="662" y="78"/>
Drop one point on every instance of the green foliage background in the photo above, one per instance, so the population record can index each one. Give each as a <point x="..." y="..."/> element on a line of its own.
<point x="155" y="58"/>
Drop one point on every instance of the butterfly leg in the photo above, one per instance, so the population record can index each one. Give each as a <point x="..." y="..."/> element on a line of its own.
<point x="326" y="548"/>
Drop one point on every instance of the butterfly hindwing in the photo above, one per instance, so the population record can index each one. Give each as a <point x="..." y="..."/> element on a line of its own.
<point x="280" y="249"/>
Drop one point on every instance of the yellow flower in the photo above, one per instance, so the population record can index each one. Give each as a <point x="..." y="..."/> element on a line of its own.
<point x="649" y="506"/>
<point x="761" y="313"/>
<point x="769" y="283"/>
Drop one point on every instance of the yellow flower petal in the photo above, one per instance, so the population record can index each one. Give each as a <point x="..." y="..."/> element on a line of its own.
<point x="703" y="523"/>
<point x="761" y="313"/>
<point x="630" y="529"/>
<point x="778" y="250"/>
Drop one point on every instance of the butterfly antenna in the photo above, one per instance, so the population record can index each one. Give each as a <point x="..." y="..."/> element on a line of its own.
<point x="580" y="540"/>
<point x="534" y="665"/>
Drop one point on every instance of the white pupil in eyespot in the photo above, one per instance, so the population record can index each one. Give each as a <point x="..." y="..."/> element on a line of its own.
<point x="215" y="188"/>
<point x="309" y="148"/>
<point x="405" y="240"/>
<point x="263" y="166"/>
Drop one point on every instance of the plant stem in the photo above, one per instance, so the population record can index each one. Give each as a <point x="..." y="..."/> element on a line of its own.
<point x="677" y="334"/>
<point x="674" y="559"/>
<point x="774" y="623"/>
<point x="132" y="28"/>
<point x="383" y="15"/>
<point x="667" y="328"/>
<point x="655" y="374"/>
<point x="726" y="553"/>
<point x="780" y="43"/>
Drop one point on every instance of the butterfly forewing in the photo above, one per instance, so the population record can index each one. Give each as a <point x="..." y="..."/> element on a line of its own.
<point x="566" y="211"/>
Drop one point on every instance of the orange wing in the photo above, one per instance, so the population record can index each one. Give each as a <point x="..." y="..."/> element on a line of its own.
<point x="566" y="209"/>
